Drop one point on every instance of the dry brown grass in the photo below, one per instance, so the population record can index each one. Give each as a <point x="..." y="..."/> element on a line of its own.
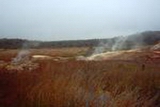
<point x="82" y="84"/>
<point x="8" y="54"/>
<point x="63" y="52"/>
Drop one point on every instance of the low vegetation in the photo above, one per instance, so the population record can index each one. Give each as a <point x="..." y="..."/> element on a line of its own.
<point x="131" y="79"/>
<point x="9" y="54"/>
<point x="82" y="84"/>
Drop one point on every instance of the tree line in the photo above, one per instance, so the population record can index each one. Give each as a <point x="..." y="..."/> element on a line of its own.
<point x="144" y="38"/>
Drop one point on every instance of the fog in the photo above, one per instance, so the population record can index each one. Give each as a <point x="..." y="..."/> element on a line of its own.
<point x="71" y="19"/>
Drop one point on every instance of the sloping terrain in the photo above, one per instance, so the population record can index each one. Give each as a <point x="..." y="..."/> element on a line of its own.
<point x="149" y="54"/>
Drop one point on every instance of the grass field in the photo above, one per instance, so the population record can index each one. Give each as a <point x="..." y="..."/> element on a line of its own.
<point x="8" y="54"/>
<point x="73" y="83"/>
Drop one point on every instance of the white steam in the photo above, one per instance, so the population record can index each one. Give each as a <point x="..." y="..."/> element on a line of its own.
<point x="22" y="56"/>
<point x="110" y="45"/>
<point x="116" y="47"/>
<point x="100" y="48"/>
<point x="119" y="43"/>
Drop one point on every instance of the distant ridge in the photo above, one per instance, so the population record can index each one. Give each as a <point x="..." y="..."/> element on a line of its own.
<point x="144" y="38"/>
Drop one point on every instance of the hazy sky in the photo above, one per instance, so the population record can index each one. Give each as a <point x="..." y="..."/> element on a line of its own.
<point x="76" y="19"/>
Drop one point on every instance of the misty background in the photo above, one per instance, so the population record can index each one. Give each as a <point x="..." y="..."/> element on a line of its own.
<point x="72" y="20"/>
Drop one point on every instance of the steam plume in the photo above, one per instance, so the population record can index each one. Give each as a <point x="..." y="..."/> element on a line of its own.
<point x="23" y="55"/>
